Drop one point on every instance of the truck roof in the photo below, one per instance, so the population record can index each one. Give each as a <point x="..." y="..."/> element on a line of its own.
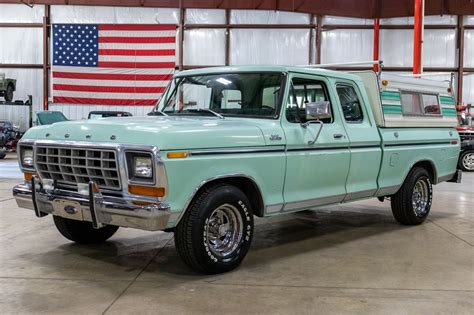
<point x="270" y="68"/>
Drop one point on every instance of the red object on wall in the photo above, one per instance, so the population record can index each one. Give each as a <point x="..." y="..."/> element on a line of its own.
<point x="418" y="37"/>
<point x="376" y="42"/>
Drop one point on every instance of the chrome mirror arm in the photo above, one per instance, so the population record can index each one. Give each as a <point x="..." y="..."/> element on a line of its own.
<point x="319" y="122"/>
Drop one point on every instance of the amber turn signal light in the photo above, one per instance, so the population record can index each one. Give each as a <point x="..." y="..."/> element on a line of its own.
<point x="177" y="155"/>
<point x="146" y="190"/>
<point x="27" y="176"/>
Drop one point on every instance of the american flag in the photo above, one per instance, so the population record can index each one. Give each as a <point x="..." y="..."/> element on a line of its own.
<point x="108" y="64"/>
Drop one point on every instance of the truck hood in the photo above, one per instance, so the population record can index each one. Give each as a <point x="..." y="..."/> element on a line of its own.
<point x="167" y="133"/>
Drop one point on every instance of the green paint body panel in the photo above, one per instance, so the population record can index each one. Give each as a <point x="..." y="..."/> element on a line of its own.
<point x="367" y="161"/>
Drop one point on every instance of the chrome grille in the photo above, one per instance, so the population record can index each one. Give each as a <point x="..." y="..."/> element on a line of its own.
<point x="466" y="135"/>
<point x="70" y="166"/>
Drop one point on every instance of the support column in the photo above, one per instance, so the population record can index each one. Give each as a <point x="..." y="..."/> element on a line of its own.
<point x="460" y="58"/>
<point x="182" y="13"/>
<point x="376" y="43"/>
<point x="319" y="32"/>
<point x="46" y="25"/>
<point x="418" y="37"/>
<point x="227" y="37"/>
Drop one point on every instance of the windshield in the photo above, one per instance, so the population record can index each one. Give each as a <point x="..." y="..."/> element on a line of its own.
<point x="230" y="94"/>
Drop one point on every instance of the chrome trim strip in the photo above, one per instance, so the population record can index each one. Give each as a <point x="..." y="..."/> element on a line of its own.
<point x="270" y="209"/>
<point x="268" y="149"/>
<point x="417" y="143"/>
<point x="387" y="191"/>
<point x="369" y="193"/>
<point x="311" y="203"/>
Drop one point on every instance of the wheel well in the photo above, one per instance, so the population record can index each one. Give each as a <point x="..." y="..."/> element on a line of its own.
<point x="430" y="168"/>
<point x="248" y="187"/>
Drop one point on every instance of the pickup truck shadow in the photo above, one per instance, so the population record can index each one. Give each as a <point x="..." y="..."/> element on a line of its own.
<point x="274" y="238"/>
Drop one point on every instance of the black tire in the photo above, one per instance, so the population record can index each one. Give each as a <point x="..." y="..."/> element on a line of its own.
<point x="9" y="93"/>
<point x="200" y="230"/>
<point x="402" y="202"/>
<point x="82" y="232"/>
<point x="466" y="162"/>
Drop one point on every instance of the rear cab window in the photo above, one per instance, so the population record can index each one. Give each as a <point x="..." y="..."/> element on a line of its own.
<point x="350" y="103"/>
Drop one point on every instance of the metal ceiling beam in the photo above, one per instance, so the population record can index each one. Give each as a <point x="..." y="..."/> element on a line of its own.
<point x="353" y="8"/>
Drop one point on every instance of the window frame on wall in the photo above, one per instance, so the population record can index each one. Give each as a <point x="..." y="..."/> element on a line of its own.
<point x="420" y="95"/>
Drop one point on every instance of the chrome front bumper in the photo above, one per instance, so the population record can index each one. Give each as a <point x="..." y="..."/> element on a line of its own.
<point x="88" y="204"/>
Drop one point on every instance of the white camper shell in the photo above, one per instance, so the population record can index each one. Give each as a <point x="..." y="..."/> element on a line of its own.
<point x="400" y="101"/>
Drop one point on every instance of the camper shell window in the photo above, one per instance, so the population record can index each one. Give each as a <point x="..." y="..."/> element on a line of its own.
<point x="420" y="104"/>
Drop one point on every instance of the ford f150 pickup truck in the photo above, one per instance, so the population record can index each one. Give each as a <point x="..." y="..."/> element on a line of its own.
<point x="227" y="144"/>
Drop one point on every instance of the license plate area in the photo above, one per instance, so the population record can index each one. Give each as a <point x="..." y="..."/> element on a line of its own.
<point x="68" y="209"/>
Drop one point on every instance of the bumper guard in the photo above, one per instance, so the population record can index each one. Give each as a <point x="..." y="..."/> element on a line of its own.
<point x="89" y="204"/>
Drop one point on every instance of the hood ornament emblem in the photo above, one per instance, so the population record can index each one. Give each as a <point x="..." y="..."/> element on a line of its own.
<point x="88" y="136"/>
<point x="113" y="137"/>
<point x="66" y="135"/>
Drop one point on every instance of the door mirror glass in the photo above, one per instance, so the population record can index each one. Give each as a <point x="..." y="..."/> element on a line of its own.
<point x="318" y="110"/>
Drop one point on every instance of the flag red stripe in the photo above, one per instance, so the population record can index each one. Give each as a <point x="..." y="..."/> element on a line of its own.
<point x="130" y="52"/>
<point x="136" y="40"/>
<point x="136" y="27"/>
<point x="109" y="89"/>
<point x="103" y="101"/>
<point x="119" y="64"/>
<point x="107" y="76"/>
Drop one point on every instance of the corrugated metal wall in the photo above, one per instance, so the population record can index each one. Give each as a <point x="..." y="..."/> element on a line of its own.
<point x="247" y="46"/>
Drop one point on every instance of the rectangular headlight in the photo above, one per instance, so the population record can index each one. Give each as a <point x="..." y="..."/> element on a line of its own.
<point x="26" y="157"/>
<point x="140" y="166"/>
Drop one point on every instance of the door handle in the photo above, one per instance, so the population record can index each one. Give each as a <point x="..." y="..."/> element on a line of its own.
<point x="338" y="136"/>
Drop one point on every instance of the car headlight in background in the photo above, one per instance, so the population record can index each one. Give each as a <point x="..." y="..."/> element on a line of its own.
<point x="27" y="159"/>
<point x="140" y="166"/>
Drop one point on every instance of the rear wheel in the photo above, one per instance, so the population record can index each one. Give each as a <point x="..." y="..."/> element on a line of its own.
<point x="82" y="232"/>
<point x="466" y="161"/>
<point x="215" y="233"/>
<point x="412" y="203"/>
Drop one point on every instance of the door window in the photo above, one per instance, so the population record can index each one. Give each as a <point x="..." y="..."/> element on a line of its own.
<point x="302" y="92"/>
<point x="350" y="103"/>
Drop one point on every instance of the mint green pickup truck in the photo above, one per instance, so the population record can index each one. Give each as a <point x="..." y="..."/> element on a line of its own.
<point x="227" y="144"/>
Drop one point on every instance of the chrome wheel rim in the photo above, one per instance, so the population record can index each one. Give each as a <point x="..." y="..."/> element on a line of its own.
<point x="420" y="197"/>
<point x="468" y="161"/>
<point x="224" y="230"/>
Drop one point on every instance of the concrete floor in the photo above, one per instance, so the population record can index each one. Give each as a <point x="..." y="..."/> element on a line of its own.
<point x="351" y="258"/>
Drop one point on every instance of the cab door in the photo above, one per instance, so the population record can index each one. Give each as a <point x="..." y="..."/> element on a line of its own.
<point x="315" y="173"/>
<point x="364" y="140"/>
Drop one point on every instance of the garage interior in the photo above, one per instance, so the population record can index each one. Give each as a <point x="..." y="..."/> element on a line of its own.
<point x="343" y="259"/>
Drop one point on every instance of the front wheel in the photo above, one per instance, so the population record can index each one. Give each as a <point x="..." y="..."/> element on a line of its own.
<point x="466" y="161"/>
<point x="215" y="233"/>
<point x="412" y="203"/>
<point x="82" y="232"/>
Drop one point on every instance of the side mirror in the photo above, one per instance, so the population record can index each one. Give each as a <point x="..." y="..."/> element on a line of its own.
<point x="318" y="110"/>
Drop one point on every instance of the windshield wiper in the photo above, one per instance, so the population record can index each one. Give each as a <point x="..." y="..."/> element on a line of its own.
<point x="206" y="110"/>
